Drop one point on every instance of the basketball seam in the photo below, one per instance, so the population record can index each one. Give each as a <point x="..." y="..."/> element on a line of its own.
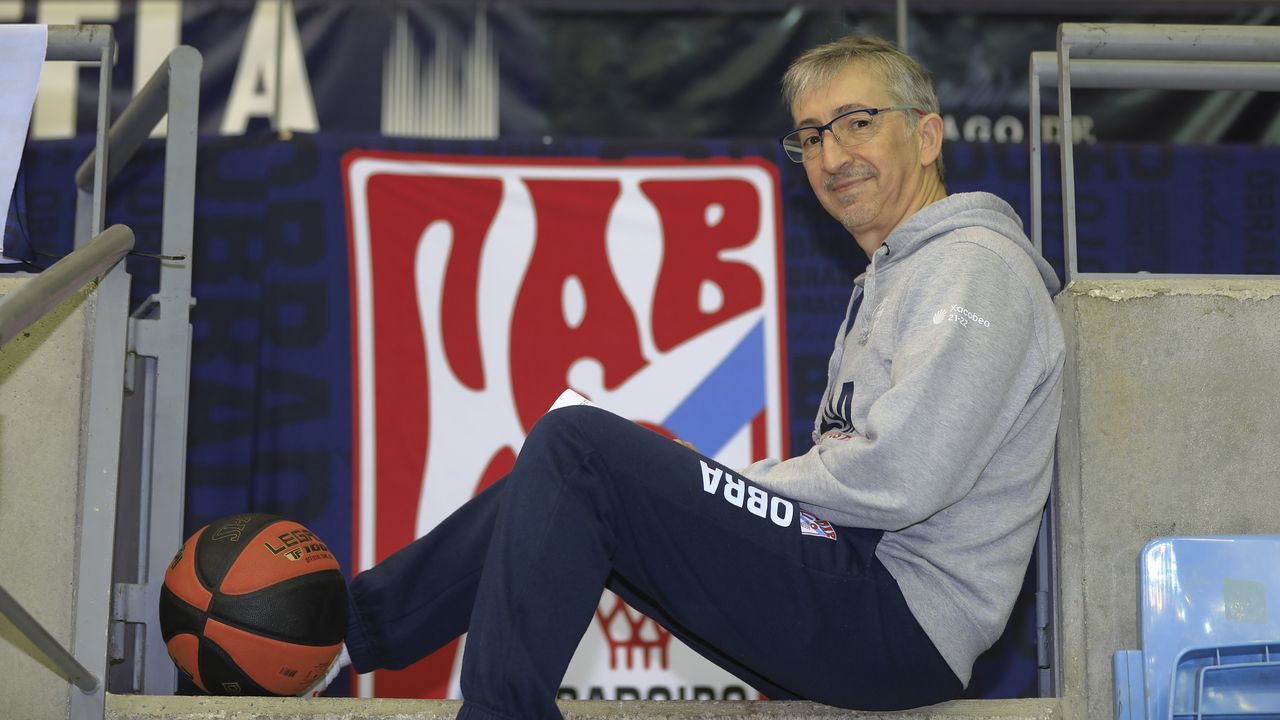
<point x="252" y="528"/>
<point x="255" y="689"/>
<point x="269" y="635"/>
<point x="218" y="604"/>
<point x="172" y="604"/>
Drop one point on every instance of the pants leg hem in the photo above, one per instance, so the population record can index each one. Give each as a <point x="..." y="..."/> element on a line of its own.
<point x="359" y="648"/>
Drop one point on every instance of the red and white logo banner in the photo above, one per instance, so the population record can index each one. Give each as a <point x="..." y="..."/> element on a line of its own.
<point x="482" y="287"/>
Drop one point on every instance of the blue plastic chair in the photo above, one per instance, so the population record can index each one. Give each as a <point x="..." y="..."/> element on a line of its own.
<point x="1210" y="617"/>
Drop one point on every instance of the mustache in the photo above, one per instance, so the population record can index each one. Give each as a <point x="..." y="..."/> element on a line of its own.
<point x="856" y="174"/>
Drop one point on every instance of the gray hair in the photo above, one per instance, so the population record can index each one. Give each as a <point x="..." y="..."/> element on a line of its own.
<point x="907" y="82"/>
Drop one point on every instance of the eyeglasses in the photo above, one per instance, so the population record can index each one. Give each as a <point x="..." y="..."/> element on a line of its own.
<point x="849" y="129"/>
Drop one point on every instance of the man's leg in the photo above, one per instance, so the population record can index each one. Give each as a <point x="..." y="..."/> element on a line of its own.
<point x="419" y="599"/>
<point x="720" y="561"/>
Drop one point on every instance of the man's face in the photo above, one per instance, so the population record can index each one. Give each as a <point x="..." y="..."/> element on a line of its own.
<point x="865" y="187"/>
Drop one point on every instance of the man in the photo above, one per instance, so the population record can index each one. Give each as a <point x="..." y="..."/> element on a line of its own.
<point x="867" y="573"/>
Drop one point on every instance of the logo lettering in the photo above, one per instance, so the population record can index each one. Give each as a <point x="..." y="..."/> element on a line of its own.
<point x="757" y="501"/>
<point x="656" y="692"/>
<point x="570" y="244"/>
<point x="733" y="490"/>
<point x="962" y="315"/>
<point x="695" y="239"/>
<point x="232" y="529"/>
<point x="710" y="477"/>
<point x="484" y="287"/>
<point x="291" y="538"/>
<point x="297" y="544"/>
<point x="780" y="511"/>
<point x="838" y="412"/>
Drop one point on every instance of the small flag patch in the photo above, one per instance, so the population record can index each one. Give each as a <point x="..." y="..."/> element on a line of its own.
<point x="811" y="525"/>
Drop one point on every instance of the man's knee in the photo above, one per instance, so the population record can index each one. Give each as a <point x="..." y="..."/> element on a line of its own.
<point x="562" y="423"/>
<point x="564" y="433"/>
<point x="561" y="451"/>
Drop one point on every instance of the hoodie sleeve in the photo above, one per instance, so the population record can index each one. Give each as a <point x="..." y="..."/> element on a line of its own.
<point x="965" y="361"/>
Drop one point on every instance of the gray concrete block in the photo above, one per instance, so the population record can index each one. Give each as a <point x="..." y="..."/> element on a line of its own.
<point x="1171" y="410"/>
<point x="41" y="396"/>
<point x="140" y="707"/>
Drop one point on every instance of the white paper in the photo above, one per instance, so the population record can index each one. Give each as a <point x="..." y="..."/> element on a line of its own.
<point x="22" y="50"/>
<point x="570" y="397"/>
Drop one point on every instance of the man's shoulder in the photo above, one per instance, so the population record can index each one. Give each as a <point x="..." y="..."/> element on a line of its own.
<point x="980" y="259"/>
<point x="974" y="245"/>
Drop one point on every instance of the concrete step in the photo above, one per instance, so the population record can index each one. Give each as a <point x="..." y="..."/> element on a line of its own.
<point x="142" y="707"/>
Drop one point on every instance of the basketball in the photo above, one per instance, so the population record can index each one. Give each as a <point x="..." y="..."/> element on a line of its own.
<point x="253" y="605"/>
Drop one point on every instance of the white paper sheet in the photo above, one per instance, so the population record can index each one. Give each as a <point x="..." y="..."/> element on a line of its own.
<point x="22" y="50"/>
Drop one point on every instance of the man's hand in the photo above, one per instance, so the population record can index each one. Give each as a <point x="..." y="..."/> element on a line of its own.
<point x="686" y="443"/>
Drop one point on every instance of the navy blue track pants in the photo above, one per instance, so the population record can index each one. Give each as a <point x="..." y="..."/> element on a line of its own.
<point x="596" y="501"/>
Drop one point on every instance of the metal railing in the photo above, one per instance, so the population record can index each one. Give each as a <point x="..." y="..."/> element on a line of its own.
<point x="157" y="374"/>
<point x="159" y="339"/>
<point x="44" y="292"/>
<point x="1130" y="74"/>
<point x="45" y="643"/>
<point x="1175" y="57"/>
<point x="90" y="45"/>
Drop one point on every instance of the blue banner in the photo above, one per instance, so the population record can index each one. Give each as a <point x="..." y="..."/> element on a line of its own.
<point x="271" y="415"/>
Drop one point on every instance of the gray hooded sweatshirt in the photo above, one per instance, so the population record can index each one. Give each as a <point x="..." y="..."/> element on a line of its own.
<point x="939" y="418"/>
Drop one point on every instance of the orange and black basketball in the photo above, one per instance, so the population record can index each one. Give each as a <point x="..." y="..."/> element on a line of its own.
<point x="253" y="605"/>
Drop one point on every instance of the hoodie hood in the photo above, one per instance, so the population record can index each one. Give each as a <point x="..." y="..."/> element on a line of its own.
<point x="964" y="210"/>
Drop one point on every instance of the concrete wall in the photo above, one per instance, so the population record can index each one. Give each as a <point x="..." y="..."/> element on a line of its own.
<point x="1170" y="427"/>
<point x="41" y="377"/>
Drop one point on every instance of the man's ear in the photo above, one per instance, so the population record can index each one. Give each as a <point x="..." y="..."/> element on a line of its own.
<point x="930" y="134"/>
